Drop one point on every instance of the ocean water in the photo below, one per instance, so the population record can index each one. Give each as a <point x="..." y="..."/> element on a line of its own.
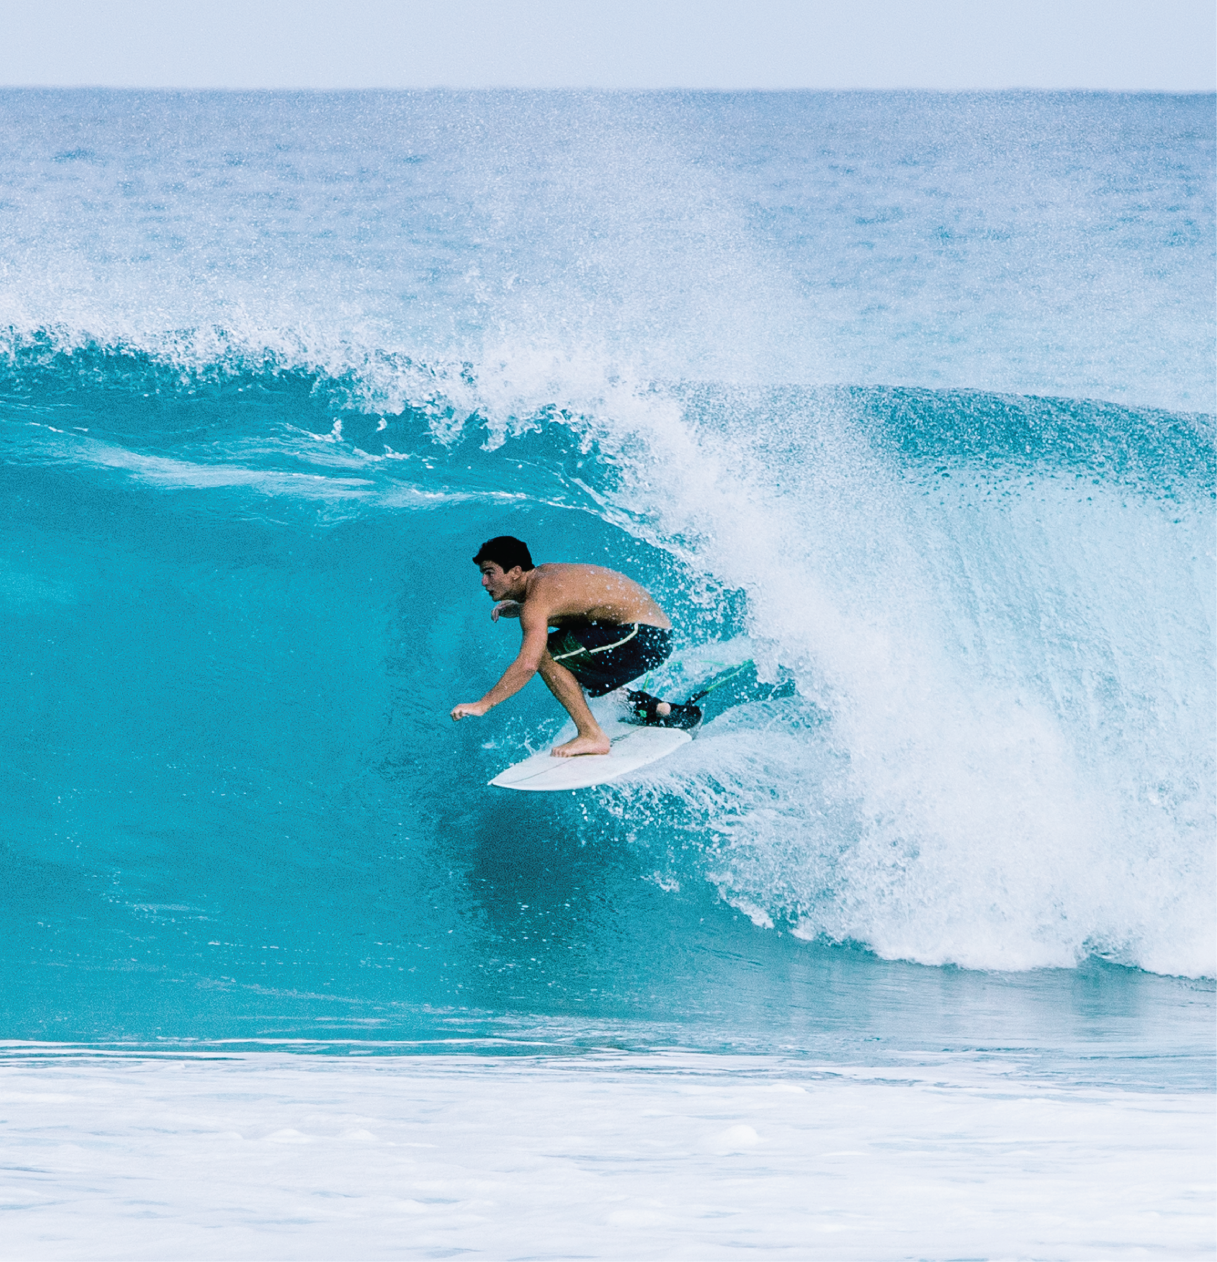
<point x="906" y="397"/>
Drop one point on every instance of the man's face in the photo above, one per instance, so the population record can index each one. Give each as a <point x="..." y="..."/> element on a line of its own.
<point x="498" y="582"/>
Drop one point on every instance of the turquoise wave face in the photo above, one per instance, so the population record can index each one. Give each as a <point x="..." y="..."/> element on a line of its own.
<point x="274" y="365"/>
<point x="240" y="604"/>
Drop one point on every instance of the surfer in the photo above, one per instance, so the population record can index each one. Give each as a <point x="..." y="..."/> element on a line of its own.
<point x="607" y="631"/>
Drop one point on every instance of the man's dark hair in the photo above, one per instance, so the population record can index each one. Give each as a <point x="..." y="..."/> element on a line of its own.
<point x="505" y="551"/>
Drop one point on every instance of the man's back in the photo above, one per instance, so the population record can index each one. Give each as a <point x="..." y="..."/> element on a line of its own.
<point x="570" y="595"/>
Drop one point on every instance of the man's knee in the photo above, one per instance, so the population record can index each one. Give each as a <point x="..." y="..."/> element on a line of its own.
<point x="554" y="673"/>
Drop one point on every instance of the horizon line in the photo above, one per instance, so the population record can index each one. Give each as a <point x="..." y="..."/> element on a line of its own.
<point x="438" y="87"/>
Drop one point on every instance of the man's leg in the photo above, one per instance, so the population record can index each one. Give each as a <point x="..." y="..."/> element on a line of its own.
<point x="564" y="686"/>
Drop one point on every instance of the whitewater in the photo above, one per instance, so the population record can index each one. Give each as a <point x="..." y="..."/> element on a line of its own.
<point x="907" y="398"/>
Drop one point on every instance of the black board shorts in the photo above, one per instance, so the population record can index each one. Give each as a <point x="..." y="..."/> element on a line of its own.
<point x="607" y="655"/>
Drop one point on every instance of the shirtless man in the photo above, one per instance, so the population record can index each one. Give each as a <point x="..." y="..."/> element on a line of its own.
<point x="608" y="632"/>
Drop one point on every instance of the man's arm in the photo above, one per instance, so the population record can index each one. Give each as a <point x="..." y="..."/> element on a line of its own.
<point x="536" y="632"/>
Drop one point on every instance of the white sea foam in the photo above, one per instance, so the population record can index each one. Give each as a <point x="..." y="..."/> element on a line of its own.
<point x="1018" y="770"/>
<point x="272" y="1156"/>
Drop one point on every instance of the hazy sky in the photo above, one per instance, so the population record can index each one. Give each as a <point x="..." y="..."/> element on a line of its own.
<point x="1121" y="44"/>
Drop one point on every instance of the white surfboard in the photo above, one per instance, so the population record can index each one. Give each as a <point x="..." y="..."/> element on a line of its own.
<point x="632" y="747"/>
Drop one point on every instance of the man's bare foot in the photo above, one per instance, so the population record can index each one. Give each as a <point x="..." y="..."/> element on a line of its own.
<point x="582" y="745"/>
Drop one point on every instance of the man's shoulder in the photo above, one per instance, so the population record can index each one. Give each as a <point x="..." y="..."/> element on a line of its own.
<point x="574" y="569"/>
<point x="564" y="572"/>
<point x="561" y="583"/>
<point x="545" y="574"/>
<point x="544" y="585"/>
<point x="548" y="579"/>
<point x="565" y="576"/>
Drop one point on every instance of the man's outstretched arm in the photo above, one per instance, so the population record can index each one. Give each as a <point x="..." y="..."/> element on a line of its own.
<point x="536" y="633"/>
